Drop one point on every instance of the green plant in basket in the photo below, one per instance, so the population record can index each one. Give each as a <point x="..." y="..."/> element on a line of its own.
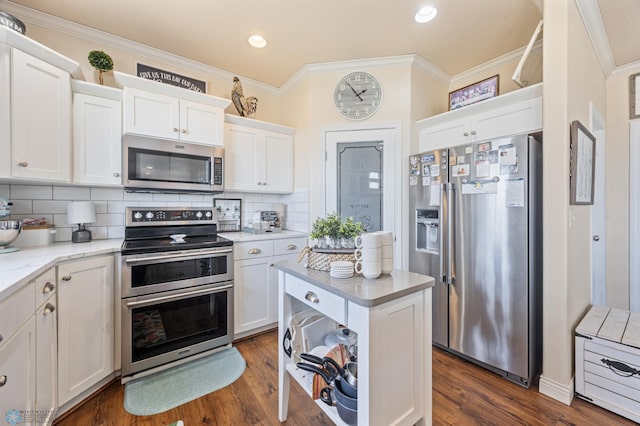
<point x="333" y="223"/>
<point x="350" y="228"/>
<point x="318" y="229"/>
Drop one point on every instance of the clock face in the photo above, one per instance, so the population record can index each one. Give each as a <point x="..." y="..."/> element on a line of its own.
<point x="358" y="95"/>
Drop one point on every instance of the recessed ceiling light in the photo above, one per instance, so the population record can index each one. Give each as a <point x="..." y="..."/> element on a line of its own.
<point x="257" y="41"/>
<point x="426" y="14"/>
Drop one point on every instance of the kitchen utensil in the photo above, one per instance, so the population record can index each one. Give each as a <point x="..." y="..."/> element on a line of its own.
<point x="331" y="396"/>
<point x="9" y="231"/>
<point x="335" y="373"/>
<point x="348" y="415"/>
<point x="349" y="373"/>
<point x="343" y="336"/>
<point x="370" y="240"/>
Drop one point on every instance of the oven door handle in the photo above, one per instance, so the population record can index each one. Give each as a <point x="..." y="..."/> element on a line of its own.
<point x="177" y="256"/>
<point x="178" y="296"/>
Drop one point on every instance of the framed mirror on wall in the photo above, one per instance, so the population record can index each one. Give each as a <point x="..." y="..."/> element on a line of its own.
<point x="229" y="211"/>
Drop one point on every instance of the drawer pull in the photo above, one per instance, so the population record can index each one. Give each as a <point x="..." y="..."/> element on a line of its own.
<point x="66" y="278"/>
<point x="622" y="369"/>
<point x="255" y="251"/>
<point x="1" y="337"/>
<point x="49" y="308"/>
<point x="48" y="288"/>
<point x="312" y="297"/>
<point x="23" y="164"/>
<point x="292" y="247"/>
<point x="3" y="381"/>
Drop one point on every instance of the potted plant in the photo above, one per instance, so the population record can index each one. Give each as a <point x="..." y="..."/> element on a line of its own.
<point x="349" y="230"/>
<point x="319" y="232"/>
<point x="333" y="223"/>
<point x="100" y="61"/>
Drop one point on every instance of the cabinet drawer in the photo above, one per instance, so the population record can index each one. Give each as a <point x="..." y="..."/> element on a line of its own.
<point x="45" y="286"/>
<point x="289" y="246"/>
<point x="252" y="249"/>
<point x="322" y="301"/>
<point x="15" y="311"/>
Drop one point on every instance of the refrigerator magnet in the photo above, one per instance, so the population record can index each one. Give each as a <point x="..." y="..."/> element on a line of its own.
<point x="426" y="170"/>
<point x="460" y="159"/>
<point x="483" y="169"/>
<point x="514" y="192"/>
<point x="428" y="158"/>
<point x="492" y="156"/>
<point x="486" y="146"/>
<point x="413" y="180"/>
<point x="414" y="164"/>
<point x="435" y="170"/>
<point x="452" y="161"/>
<point x="434" y="196"/>
<point x="426" y="180"/>
<point x="460" y="170"/>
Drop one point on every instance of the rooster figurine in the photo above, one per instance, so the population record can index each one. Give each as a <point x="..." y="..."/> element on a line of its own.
<point x="246" y="106"/>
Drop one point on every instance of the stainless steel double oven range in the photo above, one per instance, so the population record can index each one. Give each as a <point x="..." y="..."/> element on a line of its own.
<point x="177" y="288"/>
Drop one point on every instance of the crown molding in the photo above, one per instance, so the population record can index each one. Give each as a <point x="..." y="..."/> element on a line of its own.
<point x="631" y="68"/>
<point x="592" y="19"/>
<point x="492" y="64"/>
<point x="84" y="32"/>
<point x="402" y="61"/>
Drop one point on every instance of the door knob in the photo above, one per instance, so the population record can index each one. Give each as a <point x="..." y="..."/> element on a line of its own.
<point x="23" y="164"/>
<point x="596" y="238"/>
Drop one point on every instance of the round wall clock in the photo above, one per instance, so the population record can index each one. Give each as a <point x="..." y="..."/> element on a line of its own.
<point x="358" y="95"/>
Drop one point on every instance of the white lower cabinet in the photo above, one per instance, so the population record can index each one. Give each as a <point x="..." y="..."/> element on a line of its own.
<point x="256" y="283"/>
<point x="85" y="324"/>
<point x="46" y="362"/>
<point x="18" y="374"/>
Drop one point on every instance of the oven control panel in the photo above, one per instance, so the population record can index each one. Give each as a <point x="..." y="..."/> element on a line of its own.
<point x="185" y="215"/>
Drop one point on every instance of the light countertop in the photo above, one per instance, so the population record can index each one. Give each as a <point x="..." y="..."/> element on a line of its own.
<point x="20" y="267"/>
<point x="362" y="291"/>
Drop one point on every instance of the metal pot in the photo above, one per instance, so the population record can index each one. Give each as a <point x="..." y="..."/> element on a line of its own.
<point x="331" y="396"/>
<point x="331" y="372"/>
<point x="9" y="230"/>
<point x="349" y="372"/>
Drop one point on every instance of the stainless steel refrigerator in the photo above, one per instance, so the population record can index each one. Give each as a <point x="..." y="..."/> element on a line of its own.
<point x="476" y="226"/>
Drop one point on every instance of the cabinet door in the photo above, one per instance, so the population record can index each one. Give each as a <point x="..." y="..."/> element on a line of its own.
<point x="521" y="117"/>
<point x="46" y="361"/>
<point x="18" y="373"/>
<point x="455" y="132"/>
<point x="5" y="111"/>
<point x="278" y="163"/>
<point x="151" y="114"/>
<point x="273" y="279"/>
<point x="97" y="134"/>
<point x="254" y="298"/>
<point x="201" y="123"/>
<point x="244" y="151"/>
<point x="40" y="119"/>
<point x="85" y="325"/>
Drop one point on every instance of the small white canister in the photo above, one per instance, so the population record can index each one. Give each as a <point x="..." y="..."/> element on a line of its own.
<point x="41" y="235"/>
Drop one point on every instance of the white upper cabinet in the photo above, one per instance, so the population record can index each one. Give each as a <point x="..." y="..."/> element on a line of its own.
<point x="258" y="155"/>
<point x="97" y="134"/>
<point x="40" y="119"/>
<point x="169" y="112"/>
<point x="506" y="115"/>
<point x="35" y="109"/>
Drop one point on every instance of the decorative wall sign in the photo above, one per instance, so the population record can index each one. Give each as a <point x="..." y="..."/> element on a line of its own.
<point x="171" y="78"/>
<point x="634" y="95"/>
<point x="12" y="22"/>
<point x="583" y="164"/>
<point x="473" y="93"/>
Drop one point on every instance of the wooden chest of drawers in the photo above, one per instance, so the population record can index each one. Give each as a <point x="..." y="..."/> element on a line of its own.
<point x="608" y="360"/>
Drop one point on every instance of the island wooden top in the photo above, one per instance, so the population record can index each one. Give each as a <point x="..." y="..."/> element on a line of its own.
<point x="362" y="291"/>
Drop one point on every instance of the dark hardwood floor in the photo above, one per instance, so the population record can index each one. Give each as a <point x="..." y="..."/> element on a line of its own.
<point x="463" y="394"/>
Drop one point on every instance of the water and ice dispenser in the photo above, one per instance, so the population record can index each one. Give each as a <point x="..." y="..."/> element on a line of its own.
<point x="427" y="231"/>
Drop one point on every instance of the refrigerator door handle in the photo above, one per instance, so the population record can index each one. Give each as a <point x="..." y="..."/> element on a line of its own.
<point x="451" y="260"/>
<point x="442" y="230"/>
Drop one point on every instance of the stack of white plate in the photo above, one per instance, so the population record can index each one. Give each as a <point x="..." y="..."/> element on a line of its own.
<point x="341" y="269"/>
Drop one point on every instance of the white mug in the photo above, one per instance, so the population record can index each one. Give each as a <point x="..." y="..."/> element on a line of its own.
<point x="369" y="270"/>
<point x="387" y="251"/>
<point x="368" y="254"/>
<point x="386" y="237"/>
<point x="370" y="240"/>
<point x="386" y="266"/>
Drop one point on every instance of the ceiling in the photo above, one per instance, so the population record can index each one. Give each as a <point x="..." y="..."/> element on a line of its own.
<point x="466" y="33"/>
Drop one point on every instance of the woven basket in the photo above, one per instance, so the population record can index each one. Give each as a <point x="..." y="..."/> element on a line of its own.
<point x="322" y="261"/>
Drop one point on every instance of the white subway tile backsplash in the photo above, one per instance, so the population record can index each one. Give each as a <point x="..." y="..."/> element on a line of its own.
<point x="51" y="202"/>
<point x="71" y="193"/>
<point x="107" y="194"/>
<point x="31" y="192"/>
<point x="49" y="206"/>
<point x="21" y="207"/>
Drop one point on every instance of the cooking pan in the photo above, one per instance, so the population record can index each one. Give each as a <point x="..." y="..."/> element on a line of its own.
<point x="349" y="372"/>
<point x="333" y="396"/>
<point x="337" y="373"/>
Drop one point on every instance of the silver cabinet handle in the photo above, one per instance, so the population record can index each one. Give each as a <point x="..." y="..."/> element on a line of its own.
<point x="175" y="129"/>
<point x="23" y="164"/>
<point x="255" y="251"/>
<point x="466" y="133"/>
<point x="116" y="174"/>
<point x="66" y="278"/>
<point x="312" y="297"/>
<point x="292" y="247"/>
<point x="49" y="308"/>
<point x="1" y="337"/>
<point x="3" y="381"/>
<point x="596" y="238"/>
<point x="48" y="288"/>
<point x="473" y="132"/>
<point x="184" y="130"/>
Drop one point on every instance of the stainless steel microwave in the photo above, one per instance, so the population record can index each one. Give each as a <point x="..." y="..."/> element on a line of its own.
<point x="167" y="166"/>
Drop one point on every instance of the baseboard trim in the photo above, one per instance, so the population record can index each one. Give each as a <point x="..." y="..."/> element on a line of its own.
<point x="555" y="390"/>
